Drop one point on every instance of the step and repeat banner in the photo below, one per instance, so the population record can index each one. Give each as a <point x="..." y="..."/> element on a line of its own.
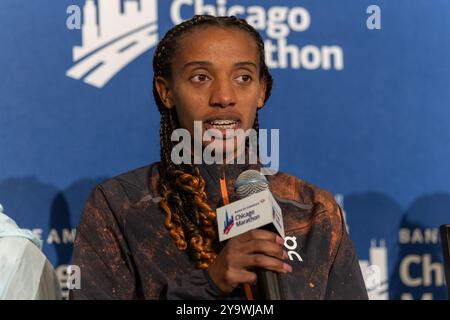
<point x="361" y="99"/>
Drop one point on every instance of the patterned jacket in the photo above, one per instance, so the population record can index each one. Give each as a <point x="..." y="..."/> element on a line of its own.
<point x="125" y="252"/>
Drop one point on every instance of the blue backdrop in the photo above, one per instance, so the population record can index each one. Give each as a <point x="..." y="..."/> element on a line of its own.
<point x="362" y="112"/>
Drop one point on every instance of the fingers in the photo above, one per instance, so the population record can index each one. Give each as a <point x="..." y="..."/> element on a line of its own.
<point x="227" y="275"/>
<point x="265" y="262"/>
<point x="266" y="247"/>
<point x="259" y="241"/>
<point x="242" y="276"/>
<point x="258" y="249"/>
<point x="253" y="249"/>
<point x="260" y="234"/>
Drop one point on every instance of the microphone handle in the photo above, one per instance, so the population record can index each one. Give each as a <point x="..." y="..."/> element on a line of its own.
<point x="268" y="284"/>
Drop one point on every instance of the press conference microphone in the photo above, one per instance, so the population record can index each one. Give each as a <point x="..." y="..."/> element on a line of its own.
<point x="250" y="182"/>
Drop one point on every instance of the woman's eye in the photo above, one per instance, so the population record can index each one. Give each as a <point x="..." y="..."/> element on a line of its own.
<point x="245" y="78"/>
<point x="200" y="78"/>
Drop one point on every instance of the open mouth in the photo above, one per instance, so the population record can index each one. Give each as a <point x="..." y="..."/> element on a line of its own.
<point x="223" y="124"/>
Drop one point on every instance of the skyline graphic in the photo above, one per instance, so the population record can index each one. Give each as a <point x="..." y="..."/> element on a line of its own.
<point x="111" y="39"/>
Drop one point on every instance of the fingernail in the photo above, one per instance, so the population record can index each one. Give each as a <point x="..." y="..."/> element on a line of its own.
<point x="287" y="267"/>
<point x="280" y="240"/>
<point x="285" y="255"/>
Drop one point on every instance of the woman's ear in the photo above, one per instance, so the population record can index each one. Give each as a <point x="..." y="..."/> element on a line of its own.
<point x="165" y="94"/>
<point x="262" y="93"/>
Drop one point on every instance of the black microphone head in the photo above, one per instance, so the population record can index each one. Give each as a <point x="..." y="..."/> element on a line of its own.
<point x="250" y="182"/>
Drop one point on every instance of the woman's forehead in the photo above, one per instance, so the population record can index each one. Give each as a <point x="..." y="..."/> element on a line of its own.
<point x="216" y="42"/>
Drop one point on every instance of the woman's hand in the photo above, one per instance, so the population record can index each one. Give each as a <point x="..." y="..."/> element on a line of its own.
<point x="253" y="249"/>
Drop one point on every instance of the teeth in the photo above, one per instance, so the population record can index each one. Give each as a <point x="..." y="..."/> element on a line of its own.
<point x="224" y="127"/>
<point x="222" y="122"/>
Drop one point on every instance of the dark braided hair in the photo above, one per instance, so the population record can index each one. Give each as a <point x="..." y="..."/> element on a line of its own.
<point x="189" y="218"/>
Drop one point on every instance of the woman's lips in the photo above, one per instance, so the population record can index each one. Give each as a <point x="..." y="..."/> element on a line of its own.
<point x="220" y="127"/>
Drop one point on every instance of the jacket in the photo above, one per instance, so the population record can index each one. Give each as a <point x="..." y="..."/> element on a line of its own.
<point x="125" y="252"/>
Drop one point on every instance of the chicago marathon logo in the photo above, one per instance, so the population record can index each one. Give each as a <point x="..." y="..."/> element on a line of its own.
<point x="115" y="32"/>
<point x="228" y="223"/>
<point x="113" y="35"/>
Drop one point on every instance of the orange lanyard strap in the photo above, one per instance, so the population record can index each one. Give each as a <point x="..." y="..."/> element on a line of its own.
<point x="224" y="191"/>
<point x="226" y="200"/>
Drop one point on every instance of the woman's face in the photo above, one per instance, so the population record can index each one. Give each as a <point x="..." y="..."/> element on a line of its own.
<point x="215" y="79"/>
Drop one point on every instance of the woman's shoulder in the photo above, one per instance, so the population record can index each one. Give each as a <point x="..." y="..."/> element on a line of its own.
<point x="133" y="186"/>
<point x="290" y="187"/>
<point x="308" y="208"/>
<point x="311" y="202"/>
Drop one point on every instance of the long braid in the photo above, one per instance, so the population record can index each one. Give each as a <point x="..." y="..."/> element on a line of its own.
<point x="188" y="216"/>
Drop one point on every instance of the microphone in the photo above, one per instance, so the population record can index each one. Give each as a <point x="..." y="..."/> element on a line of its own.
<point x="251" y="182"/>
<point x="256" y="208"/>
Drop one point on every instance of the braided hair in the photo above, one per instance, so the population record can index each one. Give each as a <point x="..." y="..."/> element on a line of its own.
<point x="188" y="216"/>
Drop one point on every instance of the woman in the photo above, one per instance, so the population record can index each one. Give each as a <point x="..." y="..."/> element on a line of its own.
<point x="150" y="233"/>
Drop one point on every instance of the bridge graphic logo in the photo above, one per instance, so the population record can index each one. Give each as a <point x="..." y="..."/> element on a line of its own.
<point x="113" y="35"/>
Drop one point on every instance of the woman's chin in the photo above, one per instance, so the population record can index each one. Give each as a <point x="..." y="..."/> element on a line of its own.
<point x="219" y="151"/>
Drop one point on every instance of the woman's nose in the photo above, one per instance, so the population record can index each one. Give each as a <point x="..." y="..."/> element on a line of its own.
<point x="223" y="94"/>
